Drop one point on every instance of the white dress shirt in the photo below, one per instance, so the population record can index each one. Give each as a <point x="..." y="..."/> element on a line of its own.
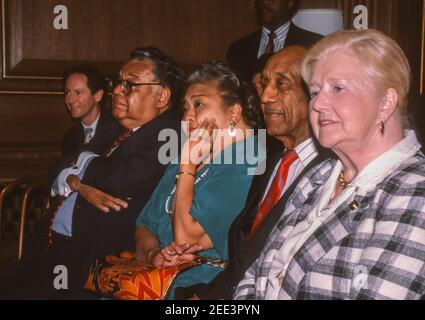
<point x="279" y="40"/>
<point x="93" y="127"/>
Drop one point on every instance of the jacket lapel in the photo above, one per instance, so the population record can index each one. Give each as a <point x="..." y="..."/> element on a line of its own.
<point x="255" y="45"/>
<point x="293" y="36"/>
<point x="80" y="136"/>
<point x="298" y="36"/>
<point x="245" y="219"/>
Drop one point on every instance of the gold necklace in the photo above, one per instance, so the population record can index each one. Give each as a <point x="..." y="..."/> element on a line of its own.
<point x="342" y="182"/>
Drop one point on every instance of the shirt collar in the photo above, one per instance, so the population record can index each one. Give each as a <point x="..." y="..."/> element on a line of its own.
<point x="93" y="125"/>
<point x="383" y="166"/>
<point x="135" y="129"/>
<point x="282" y="29"/>
<point x="306" y="151"/>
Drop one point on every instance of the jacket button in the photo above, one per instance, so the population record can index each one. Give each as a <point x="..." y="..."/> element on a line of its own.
<point x="354" y="205"/>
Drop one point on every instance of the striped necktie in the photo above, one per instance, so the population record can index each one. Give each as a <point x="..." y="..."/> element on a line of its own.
<point x="275" y="190"/>
<point x="270" y="44"/>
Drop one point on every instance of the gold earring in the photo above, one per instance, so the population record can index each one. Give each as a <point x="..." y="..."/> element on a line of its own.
<point x="382" y="128"/>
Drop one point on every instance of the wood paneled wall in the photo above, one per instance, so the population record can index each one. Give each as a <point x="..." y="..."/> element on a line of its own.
<point x="33" y="54"/>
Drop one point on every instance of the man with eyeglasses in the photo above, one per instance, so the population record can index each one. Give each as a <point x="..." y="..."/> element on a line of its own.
<point x="85" y="91"/>
<point x="276" y="32"/>
<point x="102" y="195"/>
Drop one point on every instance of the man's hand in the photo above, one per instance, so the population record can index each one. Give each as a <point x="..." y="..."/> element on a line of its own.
<point x="73" y="182"/>
<point x="101" y="200"/>
<point x="173" y="254"/>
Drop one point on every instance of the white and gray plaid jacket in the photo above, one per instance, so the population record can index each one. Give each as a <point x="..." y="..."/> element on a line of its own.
<point x="370" y="248"/>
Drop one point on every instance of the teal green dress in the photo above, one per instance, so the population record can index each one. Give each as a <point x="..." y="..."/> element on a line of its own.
<point x="220" y="195"/>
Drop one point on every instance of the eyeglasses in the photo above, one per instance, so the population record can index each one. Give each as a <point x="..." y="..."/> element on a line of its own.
<point x="127" y="86"/>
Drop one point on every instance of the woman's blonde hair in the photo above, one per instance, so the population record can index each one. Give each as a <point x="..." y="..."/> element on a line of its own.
<point x="385" y="62"/>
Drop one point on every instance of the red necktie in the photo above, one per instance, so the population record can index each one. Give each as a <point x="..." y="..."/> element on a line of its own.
<point x="275" y="190"/>
<point x="270" y="44"/>
<point x="121" y="138"/>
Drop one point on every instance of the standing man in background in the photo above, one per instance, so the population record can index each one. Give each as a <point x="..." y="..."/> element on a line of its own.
<point x="276" y="32"/>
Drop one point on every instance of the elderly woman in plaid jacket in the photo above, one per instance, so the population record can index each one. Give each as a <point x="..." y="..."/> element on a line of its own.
<point x="354" y="227"/>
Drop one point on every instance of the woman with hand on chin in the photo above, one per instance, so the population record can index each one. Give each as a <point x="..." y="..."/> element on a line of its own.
<point x="193" y="213"/>
<point x="354" y="228"/>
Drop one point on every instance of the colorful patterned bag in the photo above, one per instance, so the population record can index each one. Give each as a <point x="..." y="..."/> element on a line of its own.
<point x="122" y="277"/>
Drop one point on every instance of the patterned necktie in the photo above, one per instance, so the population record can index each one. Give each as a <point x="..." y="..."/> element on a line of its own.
<point x="122" y="137"/>
<point x="275" y="190"/>
<point x="89" y="135"/>
<point x="270" y="44"/>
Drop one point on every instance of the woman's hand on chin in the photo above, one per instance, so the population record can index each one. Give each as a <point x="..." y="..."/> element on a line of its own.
<point x="198" y="146"/>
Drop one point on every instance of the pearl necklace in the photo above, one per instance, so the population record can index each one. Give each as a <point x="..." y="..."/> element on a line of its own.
<point x="197" y="180"/>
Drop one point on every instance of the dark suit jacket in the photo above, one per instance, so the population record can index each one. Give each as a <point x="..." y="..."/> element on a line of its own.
<point x="131" y="173"/>
<point x="241" y="253"/>
<point x="242" y="53"/>
<point x="108" y="128"/>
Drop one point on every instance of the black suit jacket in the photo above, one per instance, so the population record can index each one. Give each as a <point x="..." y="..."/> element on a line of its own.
<point x="108" y="128"/>
<point x="241" y="253"/>
<point x="131" y="173"/>
<point x="242" y="53"/>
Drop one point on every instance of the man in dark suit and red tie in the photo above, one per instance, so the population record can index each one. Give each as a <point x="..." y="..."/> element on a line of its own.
<point x="276" y="32"/>
<point x="286" y="112"/>
<point x="104" y="193"/>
